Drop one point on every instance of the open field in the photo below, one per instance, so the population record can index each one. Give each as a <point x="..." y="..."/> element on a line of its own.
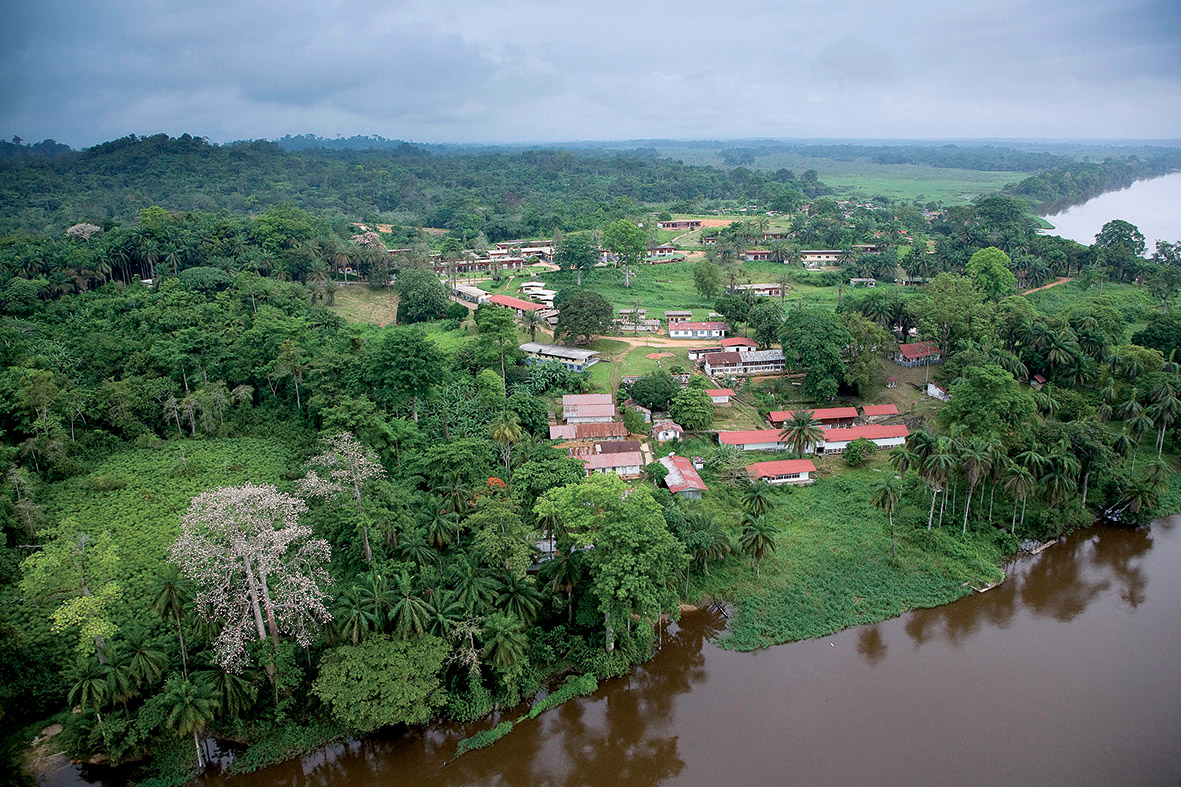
<point x="832" y="569"/>
<point x="364" y="304"/>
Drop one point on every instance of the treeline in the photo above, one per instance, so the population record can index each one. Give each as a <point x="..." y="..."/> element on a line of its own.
<point x="1068" y="184"/>
<point x="984" y="157"/>
<point x="504" y="194"/>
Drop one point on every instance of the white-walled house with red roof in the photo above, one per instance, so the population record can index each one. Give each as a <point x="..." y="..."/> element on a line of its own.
<point x="825" y="416"/>
<point x="794" y="472"/>
<point x="682" y="479"/>
<point x="697" y="330"/>
<point x="878" y="412"/>
<point x="882" y="435"/>
<point x="720" y="395"/>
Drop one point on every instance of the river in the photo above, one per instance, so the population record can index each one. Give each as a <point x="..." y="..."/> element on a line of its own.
<point x="1153" y="205"/>
<point x="1065" y="674"/>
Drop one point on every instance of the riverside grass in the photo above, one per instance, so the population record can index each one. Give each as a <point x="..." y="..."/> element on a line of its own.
<point x="831" y="568"/>
<point x="579" y="686"/>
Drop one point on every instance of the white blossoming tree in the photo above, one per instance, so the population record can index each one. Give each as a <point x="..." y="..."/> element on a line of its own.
<point x="83" y="231"/>
<point x="257" y="568"/>
<point x="344" y="468"/>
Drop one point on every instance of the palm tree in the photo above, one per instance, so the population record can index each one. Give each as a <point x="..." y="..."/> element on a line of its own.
<point x="560" y="573"/>
<point x="472" y="583"/>
<point x="516" y="596"/>
<point x="190" y="708"/>
<point x="446" y="611"/>
<point x="90" y="688"/>
<point x="756" y="498"/>
<point x="1019" y="483"/>
<point x="171" y="597"/>
<point x="414" y="549"/>
<point x="885" y="494"/>
<point x="457" y="493"/>
<point x="232" y="694"/>
<point x="409" y="614"/>
<point x="902" y="458"/>
<point x="939" y="466"/>
<point x="976" y="461"/>
<point x="1139" y="423"/>
<point x="440" y="524"/>
<point x="146" y="664"/>
<point x="352" y="617"/>
<point x="506" y="429"/>
<point x="531" y="321"/>
<point x="504" y="640"/>
<point x="1061" y="475"/>
<point x="710" y="541"/>
<point x="757" y="538"/>
<point x="1163" y="414"/>
<point x="802" y="431"/>
<point x="377" y="599"/>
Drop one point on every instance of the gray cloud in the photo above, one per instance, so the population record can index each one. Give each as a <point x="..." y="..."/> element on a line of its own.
<point x="520" y="70"/>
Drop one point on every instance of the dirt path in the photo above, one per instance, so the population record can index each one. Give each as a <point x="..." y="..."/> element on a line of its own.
<point x="1061" y="280"/>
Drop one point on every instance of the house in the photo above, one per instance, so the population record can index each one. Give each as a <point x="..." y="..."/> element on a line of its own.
<point x="935" y="392"/>
<point x="516" y="304"/>
<point x="863" y="282"/>
<point x="1037" y="382"/>
<point x="720" y="395"/>
<point x="795" y="472"/>
<point x="628" y="325"/>
<point x="709" y="241"/>
<point x="826" y="416"/>
<point x="679" y="224"/>
<point x="588" y="408"/>
<point x="881" y="435"/>
<point x="626" y="464"/>
<point x="761" y="290"/>
<point x="468" y="293"/>
<point x="570" y="357"/>
<point x="544" y="297"/>
<point x="754" y="440"/>
<point x="666" y="430"/>
<point x="740" y="344"/>
<point x="666" y="250"/>
<point x="625" y="314"/>
<point x="682" y="479"/>
<point x="697" y="330"/>
<point x="819" y="256"/>
<point x="744" y="364"/>
<point x="776" y="235"/>
<point x="879" y="412"/>
<point x="866" y="248"/>
<point x="891" y="382"/>
<point x="754" y="255"/>
<point x="629" y="380"/>
<point x="917" y="354"/>
<point x="607" y="430"/>
<point x="529" y="286"/>
<point x="678" y="316"/>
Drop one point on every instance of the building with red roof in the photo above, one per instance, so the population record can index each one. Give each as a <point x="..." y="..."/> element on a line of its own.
<point x="879" y="412"/>
<point x="754" y="440"/>
<point x="608" y="430"/>
<point x="720" y="395"/>
<point x="796" y="472"/>
<point x="626" y="464"/>
<point x="516" y="304"/>
<point x="741" y="343"/>
<point x="881" y="435"/>
<point x="918" y="354"/>
<point x="826" y="416"/>
<point x="682" y="479"/>
<point x="697" y="330"/>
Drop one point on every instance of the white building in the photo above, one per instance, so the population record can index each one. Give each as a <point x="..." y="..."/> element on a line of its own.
<point x="697" y="330"/>
<point x="794" y="472"/>
<point x="571" y="357"/>
<point x="666" y="430"/>
<point x="836" y="440"/>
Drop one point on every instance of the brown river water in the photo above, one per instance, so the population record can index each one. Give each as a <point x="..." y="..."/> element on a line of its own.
<point x="1068" y="673"/>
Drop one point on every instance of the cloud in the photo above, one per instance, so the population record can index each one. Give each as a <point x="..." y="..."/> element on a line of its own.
<point x="519" y="70"/>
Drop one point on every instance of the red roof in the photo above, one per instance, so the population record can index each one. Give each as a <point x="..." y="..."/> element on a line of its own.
<point x="918" y="350"/>
<point x="576" y="399"/>
<point x="869" y="432"/>
<point x="587" y="431"/>
<point x="879" y="409"/>
<point x="739" y="341"/>
<point x="682" y="476"/>
<point x="514" y="303"/>
<point x="667" y="426"/>
<point x="750" y="436"/>
<point x="720" y="391"/>
<point x="780" y="467"/>
<point x="1037" y="378"/>
<point x="590" y="411"/>
<point x="699" y="326"/>
<point x="819" y="414"/>
<point x="713" y="359"/>
<point x="606" y="461"/>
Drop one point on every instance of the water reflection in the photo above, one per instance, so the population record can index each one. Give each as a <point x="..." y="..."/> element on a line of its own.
<point x="871" y="645"/>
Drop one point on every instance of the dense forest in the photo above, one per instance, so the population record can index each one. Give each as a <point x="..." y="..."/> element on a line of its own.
<point x="1069" y="184"/>
<point x="228" y="512"/>
<point x="503" y="195"/>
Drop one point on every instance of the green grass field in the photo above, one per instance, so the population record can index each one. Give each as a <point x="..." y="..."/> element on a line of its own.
<point x="832" y="568"/>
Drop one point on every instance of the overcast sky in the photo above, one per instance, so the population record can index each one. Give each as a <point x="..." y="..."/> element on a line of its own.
<point x="522" y="71"/>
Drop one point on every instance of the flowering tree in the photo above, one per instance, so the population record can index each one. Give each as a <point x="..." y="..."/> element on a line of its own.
<point x="344" y="467"/>
<point x="83" y="231"/>
<point x="370" y="238"/>
<point x="253" y="562"/>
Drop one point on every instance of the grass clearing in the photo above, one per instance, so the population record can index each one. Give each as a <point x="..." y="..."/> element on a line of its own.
<point x="361" y="303"/>
<point x="832" y="567"/>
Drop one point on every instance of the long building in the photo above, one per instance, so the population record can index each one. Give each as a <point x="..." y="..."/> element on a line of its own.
<point x="697" y="330"/>
<point x="881" y="435"/>
<point x="794" y="472"/>
<point x="744" y="364"/>
<point x="626" y="464"/>
<point x="571" y="357"/>
<point x="606" y="430"/>
<point x="825" y="416"/>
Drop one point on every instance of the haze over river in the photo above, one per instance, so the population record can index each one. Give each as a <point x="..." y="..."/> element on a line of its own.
<point x="1065" y="674"/>
<point x="1152" y="205"/>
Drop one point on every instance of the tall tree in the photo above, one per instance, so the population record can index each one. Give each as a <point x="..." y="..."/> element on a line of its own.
<point x="344" y="468"/>
<point x="626" y="240"/>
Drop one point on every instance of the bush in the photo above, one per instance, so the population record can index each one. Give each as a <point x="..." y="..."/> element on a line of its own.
<point x="457" y="311"/>
<point x="482" y="739"/>
<point x="104" y="483"/>
<point x="575" y="687"/>
<point x="858" y="451"/>
<point x="656" y="471"/>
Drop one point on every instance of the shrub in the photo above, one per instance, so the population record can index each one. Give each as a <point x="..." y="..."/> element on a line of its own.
<point x="482" y="739"/>
<point x="858" y="451"/>
<point x="104" y="483"/>
<point x="575" y="687"/>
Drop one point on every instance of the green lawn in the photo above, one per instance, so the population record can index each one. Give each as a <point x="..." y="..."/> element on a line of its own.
<point x="832" y="568"/>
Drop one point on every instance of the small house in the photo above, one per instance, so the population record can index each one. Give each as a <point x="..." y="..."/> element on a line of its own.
<point x="754" y="440"/>
<point x="793" y="472"/>
<point x="665" y="430"/>
<point x="878" y="412"/>
<point x="917" y="354"/>
<point x="720" y="395"/>
<point x="626" y="464"/>
<point x="697" y="330"/>
<point x="682" y="479"/>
